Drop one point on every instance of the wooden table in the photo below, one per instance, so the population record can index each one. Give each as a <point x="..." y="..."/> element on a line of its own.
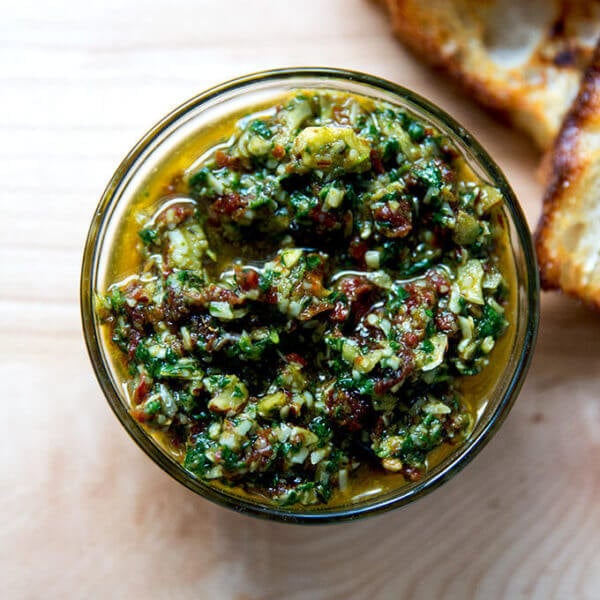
<point x="85" y="514"/>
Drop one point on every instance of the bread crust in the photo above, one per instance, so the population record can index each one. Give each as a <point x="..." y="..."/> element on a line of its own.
<point x="568" y="234"/>
<point x="535" y="92"/>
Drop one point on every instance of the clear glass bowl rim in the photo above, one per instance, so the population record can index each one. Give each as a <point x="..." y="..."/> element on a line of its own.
<point x="466" y="452"/>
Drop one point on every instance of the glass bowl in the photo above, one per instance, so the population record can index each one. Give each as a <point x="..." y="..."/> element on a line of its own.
<point x="208" y="108"/>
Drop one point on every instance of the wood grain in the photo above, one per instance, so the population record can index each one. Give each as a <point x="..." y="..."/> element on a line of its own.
<point x="84" y="513"/>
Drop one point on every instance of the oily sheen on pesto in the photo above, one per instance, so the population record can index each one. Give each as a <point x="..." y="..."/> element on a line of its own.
<point x="310" y="299"/>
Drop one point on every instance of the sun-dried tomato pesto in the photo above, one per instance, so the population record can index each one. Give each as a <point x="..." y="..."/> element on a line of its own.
<point x="309" y="300"/>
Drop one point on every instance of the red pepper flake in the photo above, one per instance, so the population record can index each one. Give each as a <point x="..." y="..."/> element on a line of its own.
<point x="140" y="415"/>
<point x="295" y="358"/>
<point x="323" y="163"/>
<point x="224" y="160"/>
<point x="231" y="205"/>
<point x="221" y="158"/>
<point x="141" y="391"/>
<point x="411" y="339"/>
<point x="278" y="151"/>
<point x="227" y="204"/>
<point x="134" y="340"/>
<point x="247" y="279"/>
<point x="139" y="294"/>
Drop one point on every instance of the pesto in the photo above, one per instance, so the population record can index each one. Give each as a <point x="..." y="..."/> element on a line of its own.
<point x="314" y="301"/>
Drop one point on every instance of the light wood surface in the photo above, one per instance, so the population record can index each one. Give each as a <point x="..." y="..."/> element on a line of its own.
<point x="84" y="513"/>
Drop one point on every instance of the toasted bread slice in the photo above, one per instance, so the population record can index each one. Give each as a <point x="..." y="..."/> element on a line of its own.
<point x="522" y="58"/>
<point x="568" y="237"/>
